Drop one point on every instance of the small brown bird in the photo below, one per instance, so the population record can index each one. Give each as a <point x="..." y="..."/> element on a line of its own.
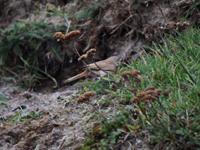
<point x="106" y="66"/>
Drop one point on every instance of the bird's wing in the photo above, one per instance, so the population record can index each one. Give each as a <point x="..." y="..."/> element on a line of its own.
<point x="97" y="65"/>
<point x="106" y="65"/>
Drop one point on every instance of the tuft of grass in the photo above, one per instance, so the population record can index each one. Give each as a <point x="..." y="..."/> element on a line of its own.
<point x="24" y="44"/>
<point x="169" y="111"/>
<point x="51" y="10"/>
<point x="21" y="116"/>
<point x="192" y="9"/>
<point x="88" y="12"/>
<point x="3" y="99"/>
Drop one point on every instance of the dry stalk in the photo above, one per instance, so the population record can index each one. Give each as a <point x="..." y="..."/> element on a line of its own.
<point x="162" y="13"/>
<point x="121" y="24"/>
<point x="160" y="122"/>
<point x="181" y="63"/>
<point x="194" y="41"/>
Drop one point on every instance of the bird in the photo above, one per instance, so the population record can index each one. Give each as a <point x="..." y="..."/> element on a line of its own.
<point x="101" y="68"/>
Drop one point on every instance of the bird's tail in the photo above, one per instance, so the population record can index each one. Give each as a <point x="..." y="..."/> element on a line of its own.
<point x="77" y="76"/>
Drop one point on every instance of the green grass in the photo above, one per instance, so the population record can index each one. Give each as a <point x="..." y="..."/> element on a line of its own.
<point x="28" y="45"/>
<point x="21" y="117"/>
<point x="3" y="99"/>
<point x="172" y="121"/>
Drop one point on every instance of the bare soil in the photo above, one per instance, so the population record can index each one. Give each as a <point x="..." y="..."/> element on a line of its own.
<point x="119" y="28"/>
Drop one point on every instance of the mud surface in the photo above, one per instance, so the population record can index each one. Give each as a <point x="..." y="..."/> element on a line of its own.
<point x="118" y="28"/>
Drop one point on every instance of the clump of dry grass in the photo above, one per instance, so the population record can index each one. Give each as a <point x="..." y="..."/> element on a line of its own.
<point x="59" y="35"/>
<point x="89" y="53"/>
<point x="85" y="96"/>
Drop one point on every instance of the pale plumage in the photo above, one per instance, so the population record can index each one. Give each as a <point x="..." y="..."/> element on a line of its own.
<point x="107" y="66"/>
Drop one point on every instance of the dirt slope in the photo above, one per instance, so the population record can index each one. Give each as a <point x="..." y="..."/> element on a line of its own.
<point x="118" y="27"/>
